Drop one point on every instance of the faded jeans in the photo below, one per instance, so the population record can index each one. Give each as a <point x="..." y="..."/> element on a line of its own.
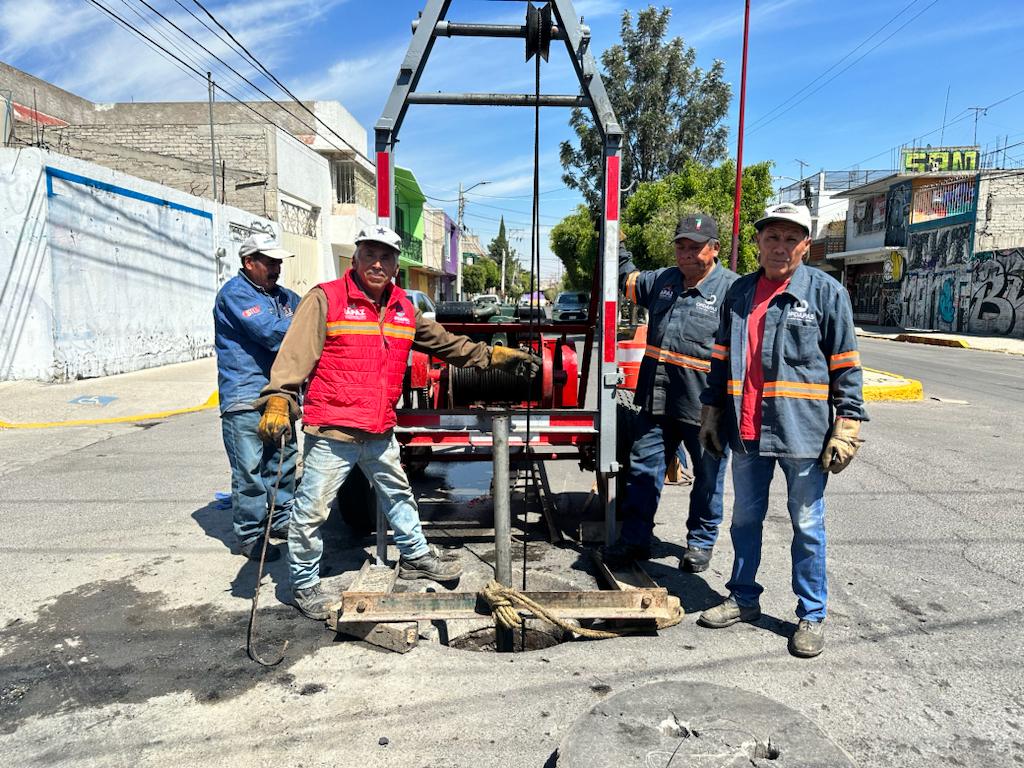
<point x="805" y="480"/>
<point x="254" y="468"/>
<point x="658" y="437"/>
<point x="326" y="464"/>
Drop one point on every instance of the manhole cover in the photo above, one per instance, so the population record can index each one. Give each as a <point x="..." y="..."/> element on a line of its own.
<point x="695" y="725"/>
<point x="530" y="639"/>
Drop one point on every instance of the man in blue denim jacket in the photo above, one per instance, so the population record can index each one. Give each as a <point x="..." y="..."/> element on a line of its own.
<point x="250" y="316"/>
<point x="683" y="303"/>
<point x="785" y="389"/>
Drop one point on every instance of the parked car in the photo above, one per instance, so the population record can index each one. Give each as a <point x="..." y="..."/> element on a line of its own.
<point x="571" y="306"/>
<point x="486" y="298"/>
<point x="422" y="302"/>
<point x="537" y="300"/>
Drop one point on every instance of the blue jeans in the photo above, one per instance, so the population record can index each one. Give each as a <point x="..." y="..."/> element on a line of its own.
<point x="656" y="439"/>
<point x="254" y="468"/>
<point x="805" y="481"/>
<point x="326" y="464"/>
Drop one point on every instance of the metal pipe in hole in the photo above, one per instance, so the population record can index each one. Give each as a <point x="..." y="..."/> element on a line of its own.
<point x="502" y="520"/>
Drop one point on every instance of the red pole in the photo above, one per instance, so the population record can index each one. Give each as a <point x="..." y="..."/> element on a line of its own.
<point x="739" y="146"/>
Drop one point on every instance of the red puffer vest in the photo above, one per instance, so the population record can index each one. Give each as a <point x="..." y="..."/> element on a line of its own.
<point x="358" y="380"/>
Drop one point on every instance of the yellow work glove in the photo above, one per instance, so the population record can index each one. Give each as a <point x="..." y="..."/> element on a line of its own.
<point x="516" y="361"/>
<point x="710" y="417"/>
<point x="276" y="420"/>
<point x="841" y="446"/>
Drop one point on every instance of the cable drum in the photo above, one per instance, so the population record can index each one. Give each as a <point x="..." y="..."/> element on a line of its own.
<point x="471" y="386"/>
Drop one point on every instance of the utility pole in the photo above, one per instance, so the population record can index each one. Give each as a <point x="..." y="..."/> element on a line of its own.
<point x="977" y="111"/>
<point x="213" y="149"/>
<point x="802" y="164"/>
<point x="739" y="146"/>
<point x="462" y="229"/>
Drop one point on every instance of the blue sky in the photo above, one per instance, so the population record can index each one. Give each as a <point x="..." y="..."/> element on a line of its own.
<point x="350" y="51"/>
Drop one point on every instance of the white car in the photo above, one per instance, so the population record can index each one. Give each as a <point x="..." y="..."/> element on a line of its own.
<point x="422" y="302"/>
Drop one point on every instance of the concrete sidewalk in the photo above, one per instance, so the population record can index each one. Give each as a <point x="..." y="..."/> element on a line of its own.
<point x="1006" y="345"/>
<point x="155" y="393"/>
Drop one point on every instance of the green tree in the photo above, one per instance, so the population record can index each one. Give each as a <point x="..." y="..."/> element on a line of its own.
<point x="670" y="110"/>
<point x="574" y="241"/>
<point x="492" y="274"/>
<point x="474" y="279"/>
<point x="500" y="251"/>
<point x="650" y="216"/>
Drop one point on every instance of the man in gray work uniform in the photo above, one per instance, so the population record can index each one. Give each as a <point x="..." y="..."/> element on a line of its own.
<point x="682" y="302"/>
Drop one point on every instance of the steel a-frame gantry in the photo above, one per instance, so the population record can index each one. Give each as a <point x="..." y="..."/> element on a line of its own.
<point x="557" y="20"/>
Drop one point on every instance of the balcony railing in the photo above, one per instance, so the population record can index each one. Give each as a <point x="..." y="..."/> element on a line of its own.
<point x="939" y="201"/>
<point x="412" y="248"/>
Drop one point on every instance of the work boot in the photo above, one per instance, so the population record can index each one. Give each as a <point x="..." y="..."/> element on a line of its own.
<point x="254" y="547"/>
<point x="728" y="613"/>
<point x="623" y="554"/>
<point x="312" y="602"/>
<point x="429" y="566"/>
<point x="695" y="559"/>
<point x="808" y="640"/>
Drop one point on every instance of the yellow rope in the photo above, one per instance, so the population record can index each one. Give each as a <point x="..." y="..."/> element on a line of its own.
<point x="503" y="601"/>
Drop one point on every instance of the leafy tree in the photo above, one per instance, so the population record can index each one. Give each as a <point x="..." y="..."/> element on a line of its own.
<point x="574" y="240"/>
<point x="474" y="279"/>
<point x="650" y="216"/>
<point x="498" y="248"/>
<point x="670" y="110"/>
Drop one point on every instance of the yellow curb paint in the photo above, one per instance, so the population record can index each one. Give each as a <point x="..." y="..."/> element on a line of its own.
<point x="905" y="389"/>
<point x="935" y="342"/>
<point x="211" y="402"/>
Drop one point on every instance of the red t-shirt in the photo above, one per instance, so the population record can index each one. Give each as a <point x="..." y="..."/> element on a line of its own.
<point x="753" y="383"/>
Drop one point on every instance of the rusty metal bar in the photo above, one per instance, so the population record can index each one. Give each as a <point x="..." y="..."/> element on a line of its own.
<point x="635" y="604"/>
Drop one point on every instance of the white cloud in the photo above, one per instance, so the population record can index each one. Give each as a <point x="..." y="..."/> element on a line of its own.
<point x="731" y="25"/>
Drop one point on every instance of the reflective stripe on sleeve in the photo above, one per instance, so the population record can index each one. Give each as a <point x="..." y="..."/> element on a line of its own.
<point x="631" y="286"/>
<point x="720" y="352"/>
<point x="677" y="359"/>
<point x="849" y="359"/>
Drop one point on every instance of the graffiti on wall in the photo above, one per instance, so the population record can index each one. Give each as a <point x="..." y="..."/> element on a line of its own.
<point x="867" y="290"/>
<point x="869" y="215"/>
<point x="897" y="213"/>
<point x="939" y="248"/>
<point x="997" y="293"/>
<point x="891" y="312"/>
<point x="936" y="300"/>
<point x="939" y="159"/>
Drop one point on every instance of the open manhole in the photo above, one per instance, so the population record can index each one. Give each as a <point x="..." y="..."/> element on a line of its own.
<point x="485" y="640"/>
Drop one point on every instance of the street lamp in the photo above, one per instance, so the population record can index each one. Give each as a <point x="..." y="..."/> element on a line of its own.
<point x="458" y="260"/>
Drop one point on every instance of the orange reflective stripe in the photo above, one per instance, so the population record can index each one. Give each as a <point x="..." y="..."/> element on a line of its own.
<point x="342" y="327"/>
<point x="720" y="355"/>
<point x="631" y="286"/>
<point x="799" y="389"/>
<point x="675" y="358"/>
<point x="844" y="360"/>
<point x="403" y="331"/>
<point x="734" y="387"/>
<point x="720" y="352"/>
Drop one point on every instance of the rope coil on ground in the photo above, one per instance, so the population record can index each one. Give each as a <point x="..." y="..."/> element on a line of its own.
<point x="504" y="601"/>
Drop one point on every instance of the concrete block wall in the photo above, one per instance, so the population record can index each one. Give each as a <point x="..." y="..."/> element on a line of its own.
<point x="179" y="156"/>
<point x="1000" y="222"/>
<point x="107" y="273"/>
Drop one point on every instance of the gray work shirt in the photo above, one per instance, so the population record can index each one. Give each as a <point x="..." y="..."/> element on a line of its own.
<point x="680" y="333"/>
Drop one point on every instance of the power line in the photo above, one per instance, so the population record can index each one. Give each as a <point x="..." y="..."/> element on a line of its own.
<point x="276" y="81"/>
<point x="844" y="69"/>
<point x="834" y="65"/>
<point x="197" y="74"/>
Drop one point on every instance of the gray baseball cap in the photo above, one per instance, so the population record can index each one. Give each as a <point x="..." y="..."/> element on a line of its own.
<point x="265" y="244"/>
<point x="378" y="233"/>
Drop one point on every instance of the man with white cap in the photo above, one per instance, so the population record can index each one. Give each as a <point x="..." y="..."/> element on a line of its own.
<point x="785" y="389"/>
<point x="682" y="302"/>
<point x="251" y="315"/>
<point x="349" y="347"/>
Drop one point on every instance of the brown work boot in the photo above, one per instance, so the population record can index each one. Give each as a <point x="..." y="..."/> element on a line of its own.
<point x="808" y="640"/>
<point x="312" y="602"/>
<point x="728" y="613"/>
<point x="429" y="566"/>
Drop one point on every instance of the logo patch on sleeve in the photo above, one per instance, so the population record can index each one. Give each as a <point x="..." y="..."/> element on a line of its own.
<point x="253" y="310"/>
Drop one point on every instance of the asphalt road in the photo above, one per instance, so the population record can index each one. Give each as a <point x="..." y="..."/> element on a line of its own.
<point x="123" y="618"/>
<point x="990" y="378"/>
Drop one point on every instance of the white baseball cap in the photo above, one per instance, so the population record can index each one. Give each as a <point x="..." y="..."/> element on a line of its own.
<point x="798" y="214"/>
<point x="378" y="233"/>
<point x="265" y="244"/>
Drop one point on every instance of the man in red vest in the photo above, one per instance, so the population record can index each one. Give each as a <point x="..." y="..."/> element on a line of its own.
<point x="350" y="340"/>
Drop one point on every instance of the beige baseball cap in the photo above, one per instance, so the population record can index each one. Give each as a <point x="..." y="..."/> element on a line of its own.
<point x="378" y="233"/>
<point x="265" y="244"/>
<point x="797" y="214"/>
